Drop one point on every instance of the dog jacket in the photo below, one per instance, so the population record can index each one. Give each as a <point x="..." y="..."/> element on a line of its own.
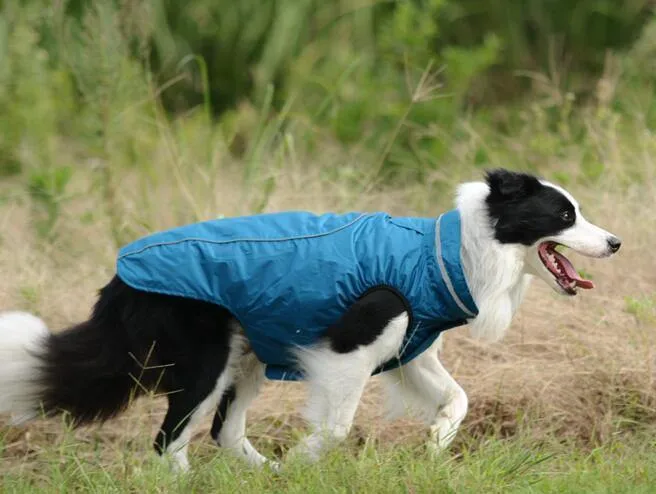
<point x="287" y="277"/>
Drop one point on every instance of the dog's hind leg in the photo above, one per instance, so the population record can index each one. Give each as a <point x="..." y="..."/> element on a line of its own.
<point x="426" y="389"/>
<point x="200" y="389"/>
<point x="369" y="334"/>
<point x="229" y="425"/>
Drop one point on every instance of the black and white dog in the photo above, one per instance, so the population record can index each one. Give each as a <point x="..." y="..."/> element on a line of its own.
<point x="203" y="356"/>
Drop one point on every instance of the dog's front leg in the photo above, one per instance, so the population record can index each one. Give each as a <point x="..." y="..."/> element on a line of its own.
<point x="369" y="334"/>
<point x="424" y="388"/>
<point x="332" y="403"/>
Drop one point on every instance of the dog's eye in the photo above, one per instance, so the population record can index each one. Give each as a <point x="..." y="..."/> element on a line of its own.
<point x="566" y="215"/>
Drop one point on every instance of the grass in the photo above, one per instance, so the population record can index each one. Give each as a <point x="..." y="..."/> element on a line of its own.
<point x="513" y="465"/>
<point x="566" y="403"/>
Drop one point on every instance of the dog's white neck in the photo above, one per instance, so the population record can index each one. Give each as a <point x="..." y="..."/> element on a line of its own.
<point x="495" y="272"/>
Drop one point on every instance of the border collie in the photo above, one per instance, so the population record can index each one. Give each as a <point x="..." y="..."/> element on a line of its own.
<point x="206" y="312"/>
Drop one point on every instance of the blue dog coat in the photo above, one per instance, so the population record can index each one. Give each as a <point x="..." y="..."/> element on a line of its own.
<point x="288" y="276"/>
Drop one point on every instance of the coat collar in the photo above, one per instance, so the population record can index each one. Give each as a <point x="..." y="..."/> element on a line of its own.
<point x="449" y="260"/>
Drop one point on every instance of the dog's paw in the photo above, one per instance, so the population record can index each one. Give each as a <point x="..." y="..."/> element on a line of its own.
<point x="442" y="433"/>
<point x="176" y="461"/>
<point x="433" y="449"/>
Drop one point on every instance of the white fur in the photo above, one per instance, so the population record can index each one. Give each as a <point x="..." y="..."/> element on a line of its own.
<point x="21" y="336"/>
<point x="423" y="388"/>
<point x="495" y="272"/>
<point x="336" y="382"/>
<point x="233" y="431"/>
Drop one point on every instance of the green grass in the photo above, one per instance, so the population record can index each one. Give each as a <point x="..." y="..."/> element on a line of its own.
<point x="495" y="466"/>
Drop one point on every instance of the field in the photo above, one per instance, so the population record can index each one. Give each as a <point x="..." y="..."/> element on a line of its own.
<point x="567" y="399"/>
<point x="565" y="403"/>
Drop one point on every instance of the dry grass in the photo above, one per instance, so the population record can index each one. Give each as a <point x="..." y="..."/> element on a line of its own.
<point x="579" y="368"/>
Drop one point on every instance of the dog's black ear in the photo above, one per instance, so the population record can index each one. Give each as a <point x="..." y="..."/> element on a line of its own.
<point x="506" y="185"/>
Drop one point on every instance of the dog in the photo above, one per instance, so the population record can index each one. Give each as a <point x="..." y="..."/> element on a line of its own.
<point x="206" y="312"/>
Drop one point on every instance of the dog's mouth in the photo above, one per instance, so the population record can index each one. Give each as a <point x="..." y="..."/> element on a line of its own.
<point x="562" y="269"/>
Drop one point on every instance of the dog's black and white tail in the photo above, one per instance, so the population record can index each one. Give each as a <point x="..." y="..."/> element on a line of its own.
<point x="87" y="370"/>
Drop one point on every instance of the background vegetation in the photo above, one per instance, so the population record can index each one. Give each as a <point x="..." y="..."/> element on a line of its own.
<point x="121" y="117"/>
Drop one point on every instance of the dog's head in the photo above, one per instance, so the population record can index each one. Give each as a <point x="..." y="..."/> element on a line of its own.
<point x="541" y="217"/>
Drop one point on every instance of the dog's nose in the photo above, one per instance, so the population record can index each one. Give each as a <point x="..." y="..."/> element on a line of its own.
<point x="614" y="244"/>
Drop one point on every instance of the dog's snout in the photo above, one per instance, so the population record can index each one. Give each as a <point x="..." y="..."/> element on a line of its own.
<point x="614" y="243"/>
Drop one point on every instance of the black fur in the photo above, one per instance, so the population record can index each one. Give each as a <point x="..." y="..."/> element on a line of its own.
<point x="523" y="210"/>
<point x="135" y="342"/>
<point x="366" y="319"/>
<point x="221" y="413"/>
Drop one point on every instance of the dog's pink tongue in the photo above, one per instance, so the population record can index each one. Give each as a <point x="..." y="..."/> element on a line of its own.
<point x="572" y="273"/>
<point x="583" y="283"/>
